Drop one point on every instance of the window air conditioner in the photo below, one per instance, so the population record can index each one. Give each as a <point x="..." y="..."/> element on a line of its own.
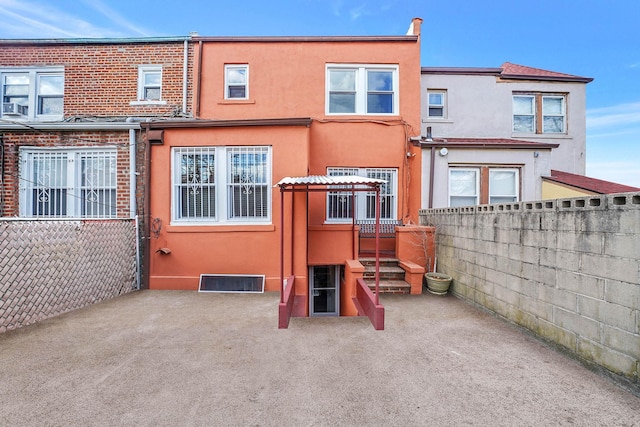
<point x="14" y="109"/>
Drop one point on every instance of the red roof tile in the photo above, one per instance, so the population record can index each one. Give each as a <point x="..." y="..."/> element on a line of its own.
<point x="515" y="71"/>
<point x="590" y="184"/>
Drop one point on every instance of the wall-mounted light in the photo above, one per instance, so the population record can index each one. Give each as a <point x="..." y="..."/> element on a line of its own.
<point x="443" y="151"/>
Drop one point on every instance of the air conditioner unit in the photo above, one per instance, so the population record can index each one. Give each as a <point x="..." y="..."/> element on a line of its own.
<point x="14" y="109"/>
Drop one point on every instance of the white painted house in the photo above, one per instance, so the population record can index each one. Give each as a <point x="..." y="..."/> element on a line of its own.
<point x="489" y="135"/>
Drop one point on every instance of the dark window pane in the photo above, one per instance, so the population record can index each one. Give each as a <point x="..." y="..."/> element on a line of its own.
<point x="380" y="103"/>
<point x="237" y="91"/>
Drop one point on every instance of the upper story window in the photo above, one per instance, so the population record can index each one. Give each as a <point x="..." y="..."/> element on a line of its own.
<point x="539" y="113"/>
<point x="362" y="89"/>
<point x="32" y="94"/>
<point x="236" y="81"/>
<point x="436" y="107"/>
<point x="78" y="183"/>
<point x="221" y="185"/>
<point x="150" y="83"/>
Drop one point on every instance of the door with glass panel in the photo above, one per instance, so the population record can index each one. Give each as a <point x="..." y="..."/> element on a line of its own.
<point x="324" y="290"/>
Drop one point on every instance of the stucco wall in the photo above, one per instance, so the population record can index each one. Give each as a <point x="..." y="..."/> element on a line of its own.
<point x="51" y="267"/>
<point x="481" y="106"/>
<point x="568" y="270"/>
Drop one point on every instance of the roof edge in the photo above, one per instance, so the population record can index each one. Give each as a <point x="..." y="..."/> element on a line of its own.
<point x="131" y="40"/>
<point x="468" y="71"/>
<point x="285" y="39"/>
<point x="572" y="79"/>
<point x="198" y="123"/>
<point x="488" y="143"/>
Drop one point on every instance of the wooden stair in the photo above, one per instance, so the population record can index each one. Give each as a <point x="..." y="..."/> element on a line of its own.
<point x="391" y="276"/>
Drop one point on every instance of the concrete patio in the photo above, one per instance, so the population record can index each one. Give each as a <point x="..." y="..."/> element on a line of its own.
<point x="173" y="358"/>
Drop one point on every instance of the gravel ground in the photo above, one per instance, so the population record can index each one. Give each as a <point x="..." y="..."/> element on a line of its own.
<point x="182" y="358"/>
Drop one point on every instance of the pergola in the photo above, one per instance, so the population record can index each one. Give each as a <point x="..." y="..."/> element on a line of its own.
<point x="321" y="183"/>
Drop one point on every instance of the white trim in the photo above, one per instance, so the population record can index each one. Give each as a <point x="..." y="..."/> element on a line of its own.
<point x="221" y="186"/>
<point x="361" y="75"/>
<point x="227" y="68"/>
<point x="143" y="70"/>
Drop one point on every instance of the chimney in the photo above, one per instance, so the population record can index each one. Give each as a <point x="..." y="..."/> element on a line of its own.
<point x="414" y="28"/>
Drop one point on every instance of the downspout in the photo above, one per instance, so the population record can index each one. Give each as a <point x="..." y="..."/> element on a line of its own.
<point x="432" y="165"/>
<point x="185" y="76"/>
<point x="147" y="216"/>
<point x="198" y="80"/>
<point x="133" y="204"/>
<point x="431" y="175"/>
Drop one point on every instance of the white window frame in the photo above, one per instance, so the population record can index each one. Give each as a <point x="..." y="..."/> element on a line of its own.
<point x="516" y="186"/>
<point x="442" y="105"/>
<point x="63" y="183"/>
<point x="388" y="192"/>
<point x="361" y="89"/>
<point x="538" y="114"/>
<point x="143" y="71"/>
<point x="476" y="171"/>
<point x="563" y="113"/>
<point x="228" y="68"/>
<point x="481" y="193"/>
<point x="224" y="185"/>
<point x="28" y="110"/>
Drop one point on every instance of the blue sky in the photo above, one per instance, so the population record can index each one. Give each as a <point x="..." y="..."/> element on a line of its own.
<point x="589" y="38"/>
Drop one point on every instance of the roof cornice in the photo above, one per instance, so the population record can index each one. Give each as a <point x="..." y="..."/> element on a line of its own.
<point x="81" y="41"/>
<point x="317" y="39"/>
<point x="198" y="123"/>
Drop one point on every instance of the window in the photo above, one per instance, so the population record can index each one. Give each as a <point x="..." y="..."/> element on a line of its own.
<point x="68" y="183"/>
<point x="436" y="103"/>
<point x="236" y="81"/>
<point x="472" y="186"/>
<point x="362" y="89"/>
<point x="539" y="113"/>
<point x="150" y="83"/>
<point x="32" y="94"/>
<point x="464" y="187"/>
<point x="341" y="204"/>
<point x="221" y="184"/>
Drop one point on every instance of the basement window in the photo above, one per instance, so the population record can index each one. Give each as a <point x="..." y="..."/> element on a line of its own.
<point x="232" y="283"/>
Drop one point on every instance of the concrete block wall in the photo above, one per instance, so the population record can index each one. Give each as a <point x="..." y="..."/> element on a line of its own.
<point x="51" y="267"/>
<point x="568" y="270"/>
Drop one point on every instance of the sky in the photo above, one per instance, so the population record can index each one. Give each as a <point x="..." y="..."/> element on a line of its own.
<point x="588" y="38"/>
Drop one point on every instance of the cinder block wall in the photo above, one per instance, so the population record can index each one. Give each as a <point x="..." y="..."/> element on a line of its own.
<point x="568" y="270"/>
<point x="51" y="267"/>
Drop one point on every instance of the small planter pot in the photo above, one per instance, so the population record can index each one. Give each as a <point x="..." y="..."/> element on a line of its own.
<point x="438" y="283"/>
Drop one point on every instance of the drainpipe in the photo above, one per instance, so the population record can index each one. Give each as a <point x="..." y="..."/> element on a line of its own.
<point x="147" y="216"/>
<point x="432" y="164"/>
<point x="198" y="81"/>
<point x="184" y="76"/>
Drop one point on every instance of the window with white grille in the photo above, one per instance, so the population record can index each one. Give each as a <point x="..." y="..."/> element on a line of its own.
<point x="68" y="183"/>
<point x="342" y="204"/>
<point x="221" y="185"/>
<point x="362" y="89"/>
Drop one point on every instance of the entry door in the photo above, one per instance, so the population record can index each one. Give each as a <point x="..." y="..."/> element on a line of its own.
<point x="324" y="290"/>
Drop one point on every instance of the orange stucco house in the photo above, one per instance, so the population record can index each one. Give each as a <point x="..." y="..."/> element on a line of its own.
<point x="268" y="108"/>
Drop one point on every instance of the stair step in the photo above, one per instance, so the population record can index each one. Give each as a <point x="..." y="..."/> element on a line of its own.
<point x="367" y="261"/>
<point x="386" y="273"/>
<point x="390" y="286"/>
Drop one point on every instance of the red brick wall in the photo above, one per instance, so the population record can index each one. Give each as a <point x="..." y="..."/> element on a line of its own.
<point x="102" y="79"/>
<point x="13" y="141"/>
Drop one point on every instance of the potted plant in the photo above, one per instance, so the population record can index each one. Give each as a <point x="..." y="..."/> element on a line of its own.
<point x="437" y="283"/>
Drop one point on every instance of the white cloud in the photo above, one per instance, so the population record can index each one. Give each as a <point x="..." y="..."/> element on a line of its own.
<point x="33" y="19"/>
<point x="616" y="115"/>
<point x="115" y="17"/>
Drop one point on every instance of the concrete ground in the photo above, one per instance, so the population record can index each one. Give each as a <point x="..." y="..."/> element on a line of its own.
<point x="173" y="358"/>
